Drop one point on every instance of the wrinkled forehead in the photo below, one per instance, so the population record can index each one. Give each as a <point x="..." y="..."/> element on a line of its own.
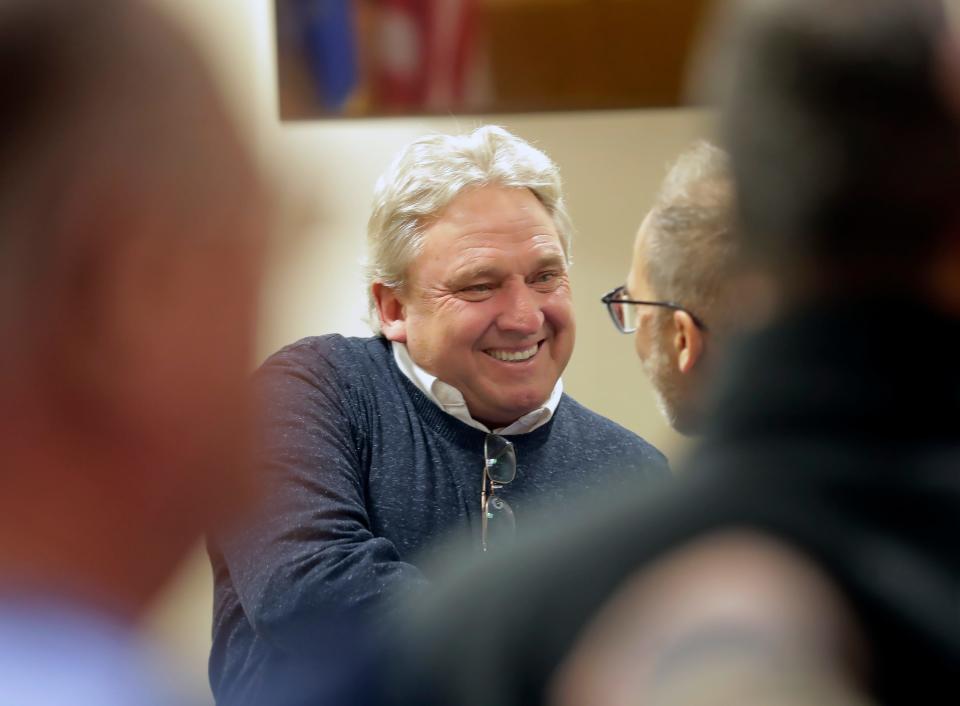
<point x="491" y="218"/>
<point x="465" y="256"/>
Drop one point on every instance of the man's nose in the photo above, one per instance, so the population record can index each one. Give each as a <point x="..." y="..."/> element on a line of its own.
<point x="520" y="310"/>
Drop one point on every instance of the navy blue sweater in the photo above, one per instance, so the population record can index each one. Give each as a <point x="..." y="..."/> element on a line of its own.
<point x="364" y="474"/>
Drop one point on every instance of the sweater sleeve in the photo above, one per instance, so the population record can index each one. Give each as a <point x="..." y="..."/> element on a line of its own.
<point x="312" y="562"/>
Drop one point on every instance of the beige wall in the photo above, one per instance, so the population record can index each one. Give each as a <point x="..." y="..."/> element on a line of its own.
<point x="611" y="164"/>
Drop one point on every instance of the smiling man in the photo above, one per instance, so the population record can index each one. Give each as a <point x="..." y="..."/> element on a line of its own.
<point x="487" y="306"/>
<point x="452" y="419"/>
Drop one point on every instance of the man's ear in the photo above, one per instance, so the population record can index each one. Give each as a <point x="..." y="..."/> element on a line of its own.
<point x="392" y="312"/>
<point x="687" y="341"/>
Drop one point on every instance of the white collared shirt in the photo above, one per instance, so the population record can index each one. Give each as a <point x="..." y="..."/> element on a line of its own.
<point x="450" y="400"/>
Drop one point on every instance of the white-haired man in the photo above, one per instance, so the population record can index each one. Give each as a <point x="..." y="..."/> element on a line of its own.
<point x="378" y="447"/>
<point x="678" y="297"/>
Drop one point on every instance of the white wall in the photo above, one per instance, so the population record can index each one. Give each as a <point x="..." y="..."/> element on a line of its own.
<point x="611" y="164"/>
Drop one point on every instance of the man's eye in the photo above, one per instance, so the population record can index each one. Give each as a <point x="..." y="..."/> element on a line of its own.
<point x="545" y="277"/>
<point x="476" y="292"/>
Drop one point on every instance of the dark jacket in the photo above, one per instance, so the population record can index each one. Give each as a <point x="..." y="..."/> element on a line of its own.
<point x="837" y="431"/>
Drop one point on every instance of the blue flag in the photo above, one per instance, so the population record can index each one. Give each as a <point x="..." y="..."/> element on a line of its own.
<point x="330" y="46"/>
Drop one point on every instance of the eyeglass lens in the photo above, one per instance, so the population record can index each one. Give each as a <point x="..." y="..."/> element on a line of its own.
<point x="498" y="523"/>
<point x="501" y="524"/>
<point x="625" y="315"/>
<point x="501" y="459"/>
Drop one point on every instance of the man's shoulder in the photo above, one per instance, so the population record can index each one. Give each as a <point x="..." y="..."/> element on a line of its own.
<point x="573" y="412"/>
<point x="343" y="354"/>
<point x="600" y="431"/>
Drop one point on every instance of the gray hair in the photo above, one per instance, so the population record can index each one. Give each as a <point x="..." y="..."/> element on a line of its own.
<point x="429" y="173"/>
<point x="689" y="239"/>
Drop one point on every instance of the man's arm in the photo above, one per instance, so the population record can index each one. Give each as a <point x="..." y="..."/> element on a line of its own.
<point x="312" y="561"/>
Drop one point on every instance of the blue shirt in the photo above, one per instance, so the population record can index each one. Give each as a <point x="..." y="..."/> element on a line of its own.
<point x="53" y="653"/>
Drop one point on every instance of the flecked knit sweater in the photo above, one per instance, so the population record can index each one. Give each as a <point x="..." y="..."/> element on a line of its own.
<point x="364" y="474"/>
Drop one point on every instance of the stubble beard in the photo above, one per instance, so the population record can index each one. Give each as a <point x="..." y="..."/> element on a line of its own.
<point x="661" y="371"/>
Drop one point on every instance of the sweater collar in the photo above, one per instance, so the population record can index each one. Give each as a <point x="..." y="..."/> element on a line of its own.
<point x="464" y="436"/>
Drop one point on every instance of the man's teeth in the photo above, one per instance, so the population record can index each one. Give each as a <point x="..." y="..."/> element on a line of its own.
<point x="514" y="356"/>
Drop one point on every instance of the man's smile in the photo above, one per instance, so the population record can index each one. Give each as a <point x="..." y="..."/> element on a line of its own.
<point x="513" y="355"/>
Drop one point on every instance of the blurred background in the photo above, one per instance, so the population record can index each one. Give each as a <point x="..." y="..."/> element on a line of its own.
<point x="594" y="83"/>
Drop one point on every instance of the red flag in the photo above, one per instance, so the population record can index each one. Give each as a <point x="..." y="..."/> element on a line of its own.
<point x="425" y="54"/>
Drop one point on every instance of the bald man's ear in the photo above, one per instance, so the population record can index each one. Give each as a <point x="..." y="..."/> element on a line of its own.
<point x="687" y="341"/>
<point x="392" y="312"/>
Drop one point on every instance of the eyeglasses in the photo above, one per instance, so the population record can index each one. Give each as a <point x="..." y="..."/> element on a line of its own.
<point x="498" y="524"/>
<point x="626" y="315"/>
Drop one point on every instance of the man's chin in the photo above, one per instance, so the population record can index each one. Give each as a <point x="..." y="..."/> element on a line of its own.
<point x="512" y="410"/>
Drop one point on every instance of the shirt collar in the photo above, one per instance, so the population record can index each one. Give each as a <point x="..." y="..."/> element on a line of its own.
<point x="451" y="401"/>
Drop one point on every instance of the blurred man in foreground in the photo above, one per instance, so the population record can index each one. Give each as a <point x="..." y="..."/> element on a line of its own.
<point x="679" y="299"/>
<point x="131" y="221"/>
<point x="810" y="554"/>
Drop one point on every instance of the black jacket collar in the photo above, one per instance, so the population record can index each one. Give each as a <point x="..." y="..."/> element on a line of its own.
<point x="875" y="368"/>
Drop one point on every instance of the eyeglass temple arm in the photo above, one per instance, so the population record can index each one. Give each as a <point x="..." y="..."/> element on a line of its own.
<point x="483" y="508"/>
<point x="608" y="300"/>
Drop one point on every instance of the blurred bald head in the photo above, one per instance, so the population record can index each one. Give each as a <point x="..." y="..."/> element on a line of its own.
<point x="844" y="138"/>
<point x="131" y="228"/>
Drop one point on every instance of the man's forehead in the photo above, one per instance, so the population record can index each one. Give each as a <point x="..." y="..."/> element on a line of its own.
<point x="494" y="260"/>
<point x="645" y="225"/>
<point x="451" y="241"/>
<point x="540" y="255"/>
<point x="636" y="278"/>
<point x="492" y="210"/>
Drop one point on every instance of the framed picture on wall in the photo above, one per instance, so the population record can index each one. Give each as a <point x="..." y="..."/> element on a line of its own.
<point x="364" y="58"/>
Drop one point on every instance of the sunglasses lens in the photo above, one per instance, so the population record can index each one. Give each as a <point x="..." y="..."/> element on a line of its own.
<point x="501" y="459"/>
<point x="501" y="523"/>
